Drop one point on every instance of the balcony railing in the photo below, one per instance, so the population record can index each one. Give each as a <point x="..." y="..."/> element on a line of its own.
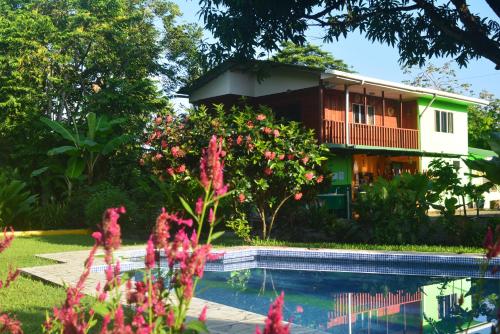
<point x="370" y="135"/>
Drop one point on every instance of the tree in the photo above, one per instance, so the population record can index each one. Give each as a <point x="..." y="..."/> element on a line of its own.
<point x="309" y="55"/>
<point x="483" y="121"/>
<point x="420" y="28"/>
<point x="489" y="168"/>
<point x="65" y="59"/>
<point x="266" y="162"/>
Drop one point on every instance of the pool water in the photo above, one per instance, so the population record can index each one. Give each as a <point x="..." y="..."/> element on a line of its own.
<point x="336" y="302"/>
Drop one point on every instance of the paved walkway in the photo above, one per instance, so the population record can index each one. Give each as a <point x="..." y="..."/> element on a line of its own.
<point x="222" y="319"/>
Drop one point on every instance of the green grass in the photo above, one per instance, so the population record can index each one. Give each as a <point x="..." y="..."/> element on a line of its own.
<point x="29" y="299"/>
<point x="228" y="242"/>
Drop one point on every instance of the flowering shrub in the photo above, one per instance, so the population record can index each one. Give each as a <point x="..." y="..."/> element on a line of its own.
<point x="149" y="301"/>
<point x="8" y="324"/>
<point x="266" y="162"/>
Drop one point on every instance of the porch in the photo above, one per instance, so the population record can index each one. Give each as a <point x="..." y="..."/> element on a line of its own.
<point x="334" y="132"/>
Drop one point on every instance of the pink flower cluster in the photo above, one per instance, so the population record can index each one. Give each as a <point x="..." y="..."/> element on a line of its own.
<point x="274" y="322"/>
<point x="212" y="167"/>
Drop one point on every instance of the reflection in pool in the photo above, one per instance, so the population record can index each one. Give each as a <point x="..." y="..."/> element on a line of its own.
<point x="336" y="302"/>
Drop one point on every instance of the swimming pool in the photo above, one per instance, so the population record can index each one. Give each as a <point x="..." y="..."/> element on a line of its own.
<point x="351" y="292"/>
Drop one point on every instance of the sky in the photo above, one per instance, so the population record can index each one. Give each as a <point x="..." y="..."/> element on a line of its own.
<point x="380" y="60"/>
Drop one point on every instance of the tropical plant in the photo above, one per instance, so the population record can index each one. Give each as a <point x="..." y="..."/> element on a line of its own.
<point x="85" y="149"/>
<point x="16" y="201"/>
<point x="446" y="186"/>
<point x="395" y="210"/>
<point x="489" y="168"/>
<point x="267" y="162"/>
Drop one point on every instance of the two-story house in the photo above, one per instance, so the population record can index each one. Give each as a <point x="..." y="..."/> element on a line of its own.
<point x="373" y="127"/>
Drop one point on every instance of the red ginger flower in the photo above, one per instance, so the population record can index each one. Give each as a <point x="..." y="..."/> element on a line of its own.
<point x="7" y="239"/>
<point x="211" y="165"/>
<point x="150" y="259"/>
<point x="274" y="322"/>
<point x="9" y="325"/>
<point x="268" y="171"/>
<point x="261" y="117"/>
<point x="110" y="236"/>
<point x="492" y="248"/>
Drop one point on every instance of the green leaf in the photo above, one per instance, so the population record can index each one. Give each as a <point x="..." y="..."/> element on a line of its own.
<point x="39" y="171"/>
<point x="89" y="142"/>
<point x="75" y="168"/>
<point x="217" y="235"/>
<point x="187" y="207"/>
<point x="91" y="124"/>
<point x="198" y="326"/>
<point x="114" y="143"/>
<point x="101" y="309"/>
<point x="61" y="150"/>
<point x="60" y="129"/>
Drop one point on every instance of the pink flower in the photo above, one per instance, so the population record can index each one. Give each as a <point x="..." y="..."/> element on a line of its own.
<point x="276" y="133"/>
<point x="299" y="309"/>
<point x="269" y="155"/>
<point x="177" y="152"/>
<point x="170" y="318"/>
<point x="290" y="156"/>
<point x="305" y="159"/>
<point x="141" y="162"/>
<point x="239" y="140"/>
<point x="169" y="119"/>
<point x="170" y="171"/>
<point x="241" y="198"/>
<point x="297" y="196"/>
<point x="199" y="206"/>
<point x="181" y="169"/>
<point x="309" y="176"/>
<point x="158" y="156"/>
<point x="250" y="124"/>
<point x="319" y="179"/>
<point x="203" y="314"/>
<point x="261" y="117"/>
<point x="274" y="322"/>
<point x="211" y="165"/>
<point x="211" y="217"/>
<point x="158" y="120"/>
<point x="10" y="325"/>
<point x="163" y="144"/>
<point x="268" y="171"/>
<point x="267" y="130"/>
<point x="150" y="260"/>
<point x="281" y="157"/>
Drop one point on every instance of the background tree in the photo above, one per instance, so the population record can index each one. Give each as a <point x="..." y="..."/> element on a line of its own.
<point x="267" y="162"/>
<point x="420" y="28"/>
<point x="484" y="121"/>
<point x="309" y="55"/>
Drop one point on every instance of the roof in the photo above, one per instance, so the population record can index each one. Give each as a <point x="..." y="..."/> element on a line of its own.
<point x="248" y="65"/>
<point x="480" y="153"/>
<point x="259" y="66"/>
<point x="421" y="91"/>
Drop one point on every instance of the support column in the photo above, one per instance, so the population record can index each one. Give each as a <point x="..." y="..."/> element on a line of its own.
<point x="347" y="134"/>
<point x="321" y="113"/>
<point x="364" y="105"/>
<point x="400" y="111"/>
<point x="383" y="109"/>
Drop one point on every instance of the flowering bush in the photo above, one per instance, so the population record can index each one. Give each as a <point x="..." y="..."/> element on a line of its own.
<point x="266" y="162"/>
<point x="149" y="301"/>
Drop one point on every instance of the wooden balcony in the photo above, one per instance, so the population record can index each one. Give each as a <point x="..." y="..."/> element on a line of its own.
<point x="370" y="135"/>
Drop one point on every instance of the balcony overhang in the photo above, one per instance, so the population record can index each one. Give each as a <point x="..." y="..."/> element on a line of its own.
<point x="389" y="151"/>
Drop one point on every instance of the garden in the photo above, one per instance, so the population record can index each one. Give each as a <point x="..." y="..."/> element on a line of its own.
<point x="91" y="140"/>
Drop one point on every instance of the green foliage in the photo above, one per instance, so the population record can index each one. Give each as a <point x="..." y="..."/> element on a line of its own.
<point x="86" y="148"/>
<point x="107" y="196"/>
<point x="267" y="162"/>
<point x="420" y="29"/>
<point x="240" y="226"/>
<point x="309" y="55"/>
<point x="16" y="201"/>
<point x="395" y="210"/>
<point x="483" y="121"/>
<point x="489" y="168"/>
<point x="52" y="216"/>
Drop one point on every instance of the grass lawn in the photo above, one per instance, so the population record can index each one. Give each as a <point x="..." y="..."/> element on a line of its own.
<point x="29" y="299"/>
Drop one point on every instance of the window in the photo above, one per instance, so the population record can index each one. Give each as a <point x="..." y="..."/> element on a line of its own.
<point x="362" y="116"/>
<point x="444" y="121"/>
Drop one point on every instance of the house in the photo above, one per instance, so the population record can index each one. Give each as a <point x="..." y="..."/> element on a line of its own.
<point x="491" y="198"/>
<point x="373" y="127"/>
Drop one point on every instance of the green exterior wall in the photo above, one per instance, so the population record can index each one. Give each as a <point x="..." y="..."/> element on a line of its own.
<point x="341" y="168"/>
<point x="446" y="104"/>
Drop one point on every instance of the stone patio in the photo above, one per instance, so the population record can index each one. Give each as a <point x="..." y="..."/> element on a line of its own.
<point x="222" y="319"/>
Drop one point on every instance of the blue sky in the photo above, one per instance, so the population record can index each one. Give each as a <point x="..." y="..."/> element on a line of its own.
<point x="381" y="61"/>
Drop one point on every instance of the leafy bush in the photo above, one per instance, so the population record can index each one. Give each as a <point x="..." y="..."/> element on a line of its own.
<point x="52" y="216"/>
<point x="106" y="196"/>
<point x="395" y="210"/>
<point x="16" y="201"/>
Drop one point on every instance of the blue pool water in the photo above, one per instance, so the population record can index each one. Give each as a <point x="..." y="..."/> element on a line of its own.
<point x="336" y="302"/>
